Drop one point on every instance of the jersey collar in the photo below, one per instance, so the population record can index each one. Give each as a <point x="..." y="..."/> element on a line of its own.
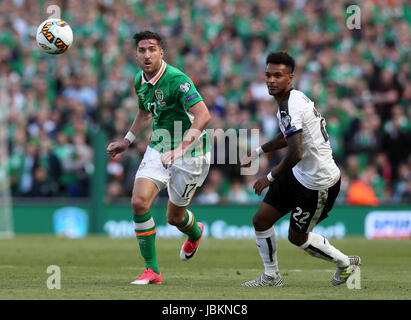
<point x="157" y="77"/>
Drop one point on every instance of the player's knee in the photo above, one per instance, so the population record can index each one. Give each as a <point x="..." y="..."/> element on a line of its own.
<point x="291" y="238"/>
<point x="256" y="221"/>
<point x="259" y="223"/>
<point x="172" y="221"/>
<point x="297" y="239"/>
<point x="175" y="220"/>
<point x="140" y="205"/>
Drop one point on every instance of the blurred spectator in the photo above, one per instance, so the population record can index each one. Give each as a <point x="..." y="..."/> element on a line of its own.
<point x="361" y="191"/>
<point x="366" y="141"/>
<point x="65" y="154"/>
<point x="258" y="87"/>
<point x="16" y="160"/>
<point x="209" y="195"/>
<point x="237" y="193"/>
<point x="401" y="186"/>
<point x="51" y="164"/>
<point x="384" y="167"/>
<point x="344" y="188"/>
<point x="386" y="93"/>
<point x="41" y="186"/>
<point x="396" y="142"/>
<point x="406" y="196"/>
<point x="28" y="166"/>
<point x="352" y="167"/>
<point x="115" y="191"/>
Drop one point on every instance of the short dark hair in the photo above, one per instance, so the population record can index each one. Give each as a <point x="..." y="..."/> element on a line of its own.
<point x="281" y="57"/>
<point x="145" y="35"/>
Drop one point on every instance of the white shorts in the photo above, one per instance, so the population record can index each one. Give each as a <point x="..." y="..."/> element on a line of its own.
<point x="181" y="180"/>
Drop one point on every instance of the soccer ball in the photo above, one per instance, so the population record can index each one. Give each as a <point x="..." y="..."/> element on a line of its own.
<point x="54" y="36"/>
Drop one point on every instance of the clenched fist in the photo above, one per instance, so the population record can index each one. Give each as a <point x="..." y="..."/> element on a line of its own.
<point x="260" y="185"/>
<point x="116" y="147"/>
<point x="168" y="158"/>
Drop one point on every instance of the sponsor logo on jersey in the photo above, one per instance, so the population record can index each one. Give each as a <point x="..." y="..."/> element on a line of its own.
<point x="185" y="87"/>
<point x="191" y="97"/>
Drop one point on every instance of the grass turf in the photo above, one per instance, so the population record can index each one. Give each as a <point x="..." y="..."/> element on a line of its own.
<point x="102" y="268"/>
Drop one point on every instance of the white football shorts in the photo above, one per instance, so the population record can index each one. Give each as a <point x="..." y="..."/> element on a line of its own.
<point x="181" y="179"/>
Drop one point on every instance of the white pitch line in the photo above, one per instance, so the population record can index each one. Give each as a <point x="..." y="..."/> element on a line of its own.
<point x="309" y="270"/>
<point x="297" y="270"/>
<point x="7" y="267"/>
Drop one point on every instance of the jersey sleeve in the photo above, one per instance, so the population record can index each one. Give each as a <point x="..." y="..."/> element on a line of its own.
<point x="186" y="92"/>
<point x="292" y="118"/>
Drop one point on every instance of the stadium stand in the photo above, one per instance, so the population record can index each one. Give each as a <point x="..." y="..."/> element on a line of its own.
<point x="360" y="80"/>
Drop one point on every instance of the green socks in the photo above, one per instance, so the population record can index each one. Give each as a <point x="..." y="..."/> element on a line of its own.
<point x="145" y="229"/>
<point x="190" y="227"/>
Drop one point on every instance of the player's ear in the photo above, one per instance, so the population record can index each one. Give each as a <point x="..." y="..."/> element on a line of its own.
<point x="290" y="77"/>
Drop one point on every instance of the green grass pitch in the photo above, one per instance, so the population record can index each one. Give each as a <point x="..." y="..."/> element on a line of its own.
<point x="98" y="267"/>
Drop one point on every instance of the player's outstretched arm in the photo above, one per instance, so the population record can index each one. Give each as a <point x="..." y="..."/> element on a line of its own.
<point x="142" y="120"/>
<point x="278" y="142"/>
<point x="292" y="157"/>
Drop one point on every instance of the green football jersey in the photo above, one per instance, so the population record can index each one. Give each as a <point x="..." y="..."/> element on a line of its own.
<point x="168" y="96"/>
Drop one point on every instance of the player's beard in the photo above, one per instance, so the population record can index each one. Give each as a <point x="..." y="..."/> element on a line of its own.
<point x="271" y="91"/>
<point x="279" y="94"/>
<point x="151" y="70"/>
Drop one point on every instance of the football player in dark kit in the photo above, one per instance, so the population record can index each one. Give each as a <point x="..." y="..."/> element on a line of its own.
<point x="306" y="182"/>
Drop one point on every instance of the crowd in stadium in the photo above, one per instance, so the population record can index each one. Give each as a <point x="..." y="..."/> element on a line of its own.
<point x="359" y="79"/>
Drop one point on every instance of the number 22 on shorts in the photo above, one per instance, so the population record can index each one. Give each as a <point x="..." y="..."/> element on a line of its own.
<point x="297" y="217"/>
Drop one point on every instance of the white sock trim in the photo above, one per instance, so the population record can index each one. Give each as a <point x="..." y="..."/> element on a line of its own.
<point x="190" y="219"/>
<point x="145" y="225"/>
<point x="265" y="234"/>
<point x="307" y="243"/>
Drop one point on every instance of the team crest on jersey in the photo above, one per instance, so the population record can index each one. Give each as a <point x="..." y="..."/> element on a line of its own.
<point x="285" y="119"/>
<point x="185" y="87"/>
<point x="160" y="97"/>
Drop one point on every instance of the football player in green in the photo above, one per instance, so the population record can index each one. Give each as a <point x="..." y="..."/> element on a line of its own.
<point x="178" y="156"/>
